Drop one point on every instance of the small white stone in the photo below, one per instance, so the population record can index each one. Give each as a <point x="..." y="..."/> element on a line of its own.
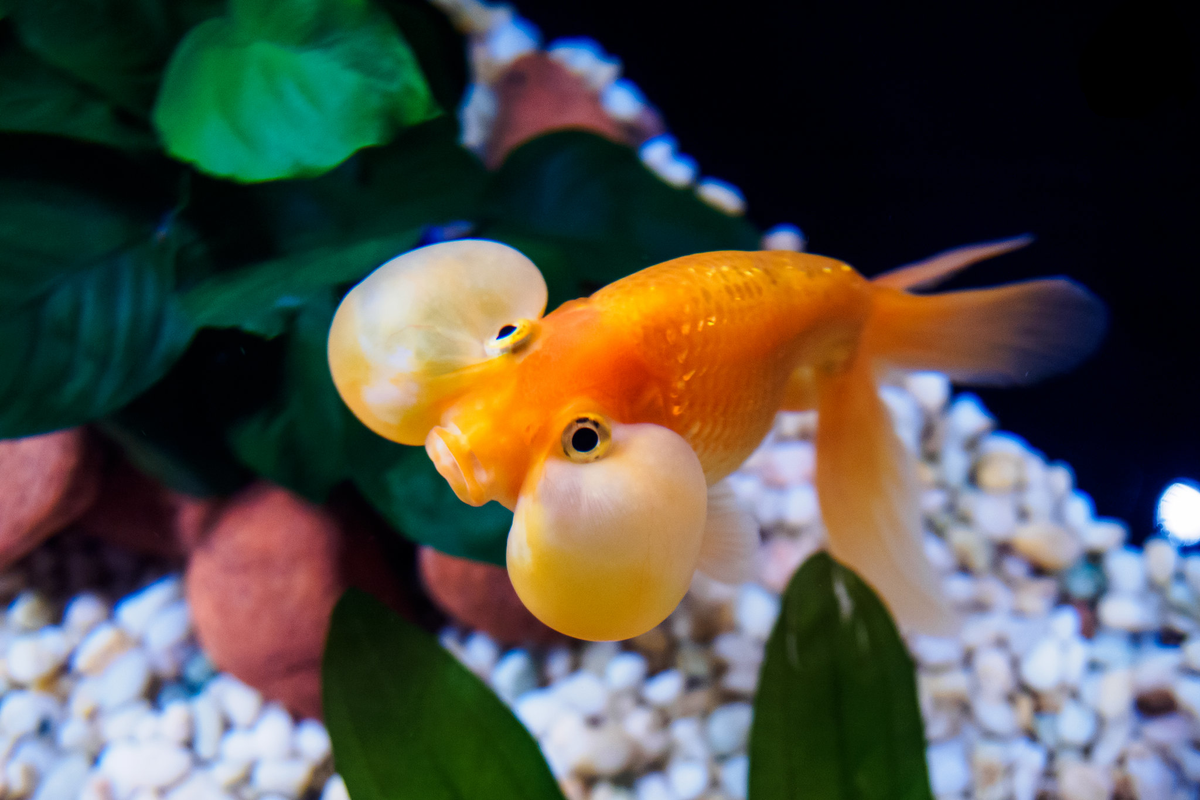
<point x="168" y="627"/>
<point x="286" y="776"/>
<point x="1074" y="661"/>
<point x="582" y="691"/>
<point x="65" y="779"/>
<point x="644" y="727"/>
<point x="1191" y="572"/>
<point x="1187" y="694"/>
<point x="949" y="770"/>
<point x="664" y="688"/>
<point x="784" y="236"/>
<point x="1048" y="546"/>
<point x="513" y="675"/>
<point x="968" y="418"/>
<point x="906" y="414"/>
<point x="134" y="612"/>
<point x="622" y="100"/>
<point x="228" y="774"/>
<point x="626" y="671"/>
<point x="538" y="709"/>
<point x="1076" y="724"/>
<point x="735" y="777"/>
<point x="688" y="778"/>
<point x="1080" y="781"/>
<point x="737" y="649"/>
<point x="1161" y="560"/>
<point x="609" y="751"/>
<point x="199" y="785"/>
<point x="995" y="515"/>
<point x="558" y="663"/>
<point x="1103" y="535"/>
<point x="36" y="656"/>
<point x="1125" y="570"/>
<point x="606" y="791"/>
<point x="311" y="741"/>
<point x="147" y="728"/>
<point x="273" y="733"/>
<point x="20" y="778"/>
<point x="741" y="680"/>
<point x="98" y="649"/>
<point x="1191" y="653"/>
<point x="993" y="672"/>
<point x="1156" y="668"/>
<point x="209" y="726"/>
<point x="936" y="651"/>
<point x="505" y="42"/>
<point x="755" y="611"/>
<point x="1065" y="623"/>
<point x="567" y="745"/>
<point x="79" y="734"/>
<point x="144" y="765"/>
<point x="30" y="611"/>
<point x="595" y="656"/>
<point x="84" y="612"/>
<point x="175" y="722"/>
<point x="940" y="554"/>
<point x="335" y="789"/>
<point x="1078" y="511"/>
<point x="23" y="712"/>
<point x="680" y="171"/>
<point x="722" y="195"/>
<point x="480" y="653"/>
<point x="995" y="716"/>
<point x="586" y="59"/>
<point x="241" y="703"/>
<point x="728" y="728"/>
<point x="653" y="787"/>
<point x="1029" y="762"/>
<point x="950" y="686"/>
<point x="931" y="390"/>
<point x="1041" y="668"/>
<point x="1152" y="779"/>
<point x="1126" y="612"/>
<point x="687" y="736"/>
<point x="1114" y="698"/>
<point x="125" y="679"/>
<point x="800" y="506"/>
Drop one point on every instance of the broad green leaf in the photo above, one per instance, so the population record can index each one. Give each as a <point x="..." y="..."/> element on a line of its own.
<point x="36" y="98"/>
<point x="288" y="88"/>
<point x="439" y="47"/>
<point x="117" y="46"/>
<point x="404" y="486"/>
<point x="298" y="441"/>
<point x="96" y="339"/>
<point x="836" y="714"/>
<point x="408" y="721"/>
<point x="48" y="231"/>
<point x="262" y="298"/>
<point x="592" y="201"/>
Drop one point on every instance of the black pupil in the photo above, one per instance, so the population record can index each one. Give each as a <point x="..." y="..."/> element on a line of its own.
<point x="506" y="331"/>
<point x="584" y="440"/>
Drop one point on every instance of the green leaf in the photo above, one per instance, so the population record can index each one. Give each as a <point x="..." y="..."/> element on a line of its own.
<point x="298" y="441"/>
<point x="594" y="205"/>
<point x="36" y="98"/>
<point x="407" y="720"/>
<point x="439" y="47"/>
<point x="288" y="88"/>
<point x="92" y="342"/>
<point x="262" y="298"/>
<point x="404" y="486"/>
<point x="836" y="714"/>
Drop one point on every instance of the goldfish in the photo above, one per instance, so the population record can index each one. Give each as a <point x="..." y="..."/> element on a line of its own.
<point x="609" y="425"/>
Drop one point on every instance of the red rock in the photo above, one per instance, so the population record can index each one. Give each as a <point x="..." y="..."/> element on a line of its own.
<point x="137" y="513"/>
<point x="262" y="583"/>
<point x="536" y="94"/>
<point x="480" y="596"/>
<point x="46" y="483"/>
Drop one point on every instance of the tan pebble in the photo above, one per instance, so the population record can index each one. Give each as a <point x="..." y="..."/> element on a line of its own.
<point x="1081" y="781"/>
<point x="1000" y="472"/>
<point x="972" y="550"/>
<point x="1048" y="546"/>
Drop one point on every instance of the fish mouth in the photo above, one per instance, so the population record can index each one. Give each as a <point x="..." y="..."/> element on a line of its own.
<point x="452" y="455"/>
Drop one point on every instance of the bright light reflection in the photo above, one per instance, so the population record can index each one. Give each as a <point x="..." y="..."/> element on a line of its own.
<point x="1179" y="512"/>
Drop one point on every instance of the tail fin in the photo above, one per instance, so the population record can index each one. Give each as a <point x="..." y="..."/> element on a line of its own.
<point x="1010" y="334"/>
<point x="934" y="270"/>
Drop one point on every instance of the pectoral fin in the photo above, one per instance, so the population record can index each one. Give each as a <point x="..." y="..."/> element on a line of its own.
<point x="730" y="538"/>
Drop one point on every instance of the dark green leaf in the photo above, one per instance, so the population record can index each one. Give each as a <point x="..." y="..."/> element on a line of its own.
<point x="594" y="203"/>
<point x="836" y="714"/>
<point x="262" y="298"/>
<point x="92" y="342"/>
<point x="409" y="721"/>
<point x="36" y="98"/>
<point x="288" y="88"/>
<point x="118" y="46"/>
<point x="439" y="47"/>
<point x="298" y="441"/>
<point x="404" y="486"/>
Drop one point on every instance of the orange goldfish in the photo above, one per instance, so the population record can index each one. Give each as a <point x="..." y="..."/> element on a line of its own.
<point x="608" y="425"/>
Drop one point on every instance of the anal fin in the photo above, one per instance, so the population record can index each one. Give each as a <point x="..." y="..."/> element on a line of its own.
<point x="730" y="538"/>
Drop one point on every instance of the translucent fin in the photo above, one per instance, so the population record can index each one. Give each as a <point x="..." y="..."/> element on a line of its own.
<point x="730" y="538"/>
<point x="405" y="340"/>
<point x="868" y="497"/>
<point x="1011" y="334"/>
<point x="934" y="270"/>
<point x="606" y="549"/>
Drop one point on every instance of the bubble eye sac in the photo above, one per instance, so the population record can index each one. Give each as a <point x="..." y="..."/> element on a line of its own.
<point x="586" y="439"/>
<point x="510" y="338"/>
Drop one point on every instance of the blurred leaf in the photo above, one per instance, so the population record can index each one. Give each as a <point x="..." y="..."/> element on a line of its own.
<point x="593" y="202"/>
<point x="96" y="339"/>
<point x="298" y="441"/>
<point x="262" y="298"/>
<point x="287" y="88"/>
<point x="36" y="98"/>
<point x="118" y="46"/>
<point x="836" y="713"/>
<point x="407" y="720"/>
<point x="439" y="47"/>
<point x="404" y="486"/>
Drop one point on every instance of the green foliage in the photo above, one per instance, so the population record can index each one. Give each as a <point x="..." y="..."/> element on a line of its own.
<point x="836" y="715"/>
<point x="407" y="720"/>
<point x="288" y="88"/>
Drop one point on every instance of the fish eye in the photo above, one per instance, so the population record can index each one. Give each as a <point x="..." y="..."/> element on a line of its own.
<point x="586" y="439"/>
<point x="510" y="337"/>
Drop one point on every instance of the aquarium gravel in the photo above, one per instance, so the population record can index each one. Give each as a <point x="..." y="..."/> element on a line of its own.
<point x="1076" y="673"/>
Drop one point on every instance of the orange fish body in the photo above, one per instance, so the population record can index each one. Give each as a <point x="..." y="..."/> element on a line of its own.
<point x="608" y="424"/>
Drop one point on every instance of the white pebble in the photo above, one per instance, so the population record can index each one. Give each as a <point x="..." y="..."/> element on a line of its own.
<point x="1187" y="694"/>
<point x="1076" y="724"/>
<point x="311" y="741"/>
<point x="335" y="789"/>
<point x="20" y="778"/>
<point x="625" y="671"/>
<point x="949" y="770"/>
<point x="679" y="171"/>
<point x="1126" y="612"/>
<point x="722" y="196"/>
<point x="558" y="663"/>
<point x="1065" y="623"/>
<point x="567" y="745"/>
<point x="480" y="653"/>
<point x="125" y="679"/>
<point x="1191" y="653"/>
<point x="995" y="716"/>
<point x="586" y="59"/>
<point x="664" y="688"/>
<point x="148" y="765"/>
<point x="79" y="734"/>
<point x="84" y="612"/>
<point x="175" y="722"/>
<point x="237" y="745"/>
<point x="622" y="100"/>
<point x="737" y="649"/>
<point x="687" y="736"/>
<point x="968" y="418"/>
<point x="609" y="751"/>
<point x="784" y="236"/>
<point x="995" y="515"/>
<point x="209" y="726"/>
<point x="931" y="390"/>
<point x="273" y="733"/>
<point x="1114" y="699"/>
<point x="513" y="675"/>
<point x="936" y="651"/>
<point x="228" y="774"/>
<point x="755" y="611"/>
<point x="123" y="722"/>
<point x="538" y="709"/>
<point x="728" y="728"/>
<point x="1125" y="570"/>
<point x="582" y="691"/>
<point x="36" y="656"/>
<point x="30" y="611"/>
<point x="1078" y="511"/>
<point x="65" y="779"/>
<point x="644" y="727"/>
<point x="1029" y="761"/>
<point x="993" y="672"/>
<point x="23" y="712"/>
<point x="134" y="612"/>
<point x="1103" y="535"/>
<point x="288" y="777"/>
<point x="800" y="506"/>
<point x="790" y="464"/>
<point x="1041" y="668"/>
<point x="688" y="778"/>
<point x="98" y="649"/>
<point x="1161" y="560"/>
<point x="735" y="777"/>
<point x="199" y="785"/>
<point x="168" y="627"/>
<point x="653" y="787"/>
<point x="1152" y="779"/>
<point x="241" y="703"/>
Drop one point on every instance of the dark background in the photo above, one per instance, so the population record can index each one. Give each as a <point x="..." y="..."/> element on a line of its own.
<point x="889" y="132"/>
